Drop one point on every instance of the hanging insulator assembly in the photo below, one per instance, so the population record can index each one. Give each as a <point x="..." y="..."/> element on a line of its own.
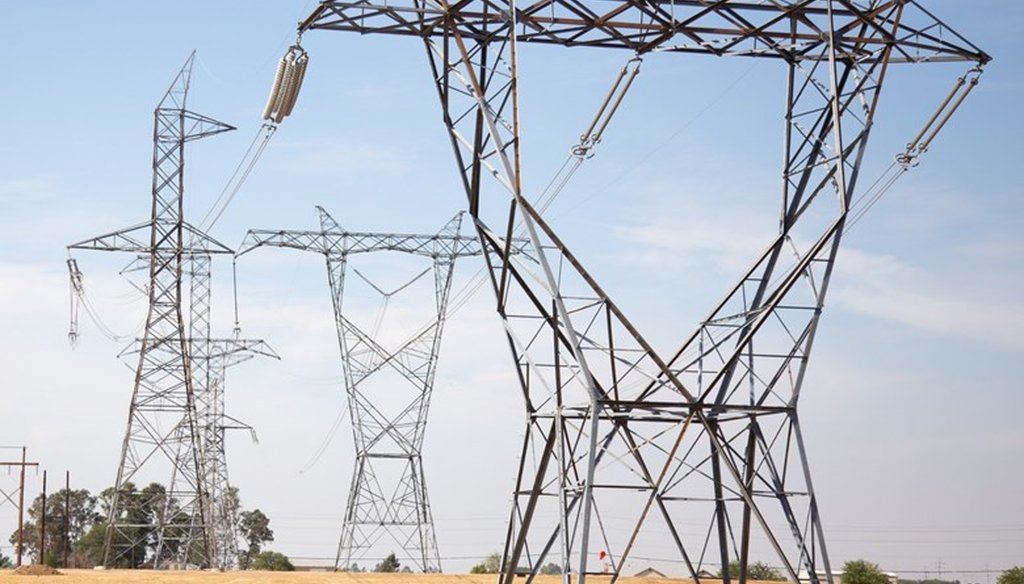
<point x="287" y="82"/>
<point x="77" y="292"/>
<point x="611" y="103"/>
<point x="919" y="145"/>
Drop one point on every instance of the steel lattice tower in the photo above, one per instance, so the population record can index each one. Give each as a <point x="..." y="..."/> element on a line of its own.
<point x="708" y="433"/>
<point x="163" y="427"/>
<point x="210" y="358"/>
<point x="388" y="494"/>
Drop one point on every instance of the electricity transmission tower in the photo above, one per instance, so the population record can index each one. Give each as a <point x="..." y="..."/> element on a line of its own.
<point x="165" y="430"/>
<point x="388" y="494"/>
<point x="706" y="435"/>
<point x="210" y="358"/>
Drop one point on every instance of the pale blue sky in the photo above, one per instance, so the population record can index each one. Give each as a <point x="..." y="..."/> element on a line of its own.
<point x="913" y="402"/>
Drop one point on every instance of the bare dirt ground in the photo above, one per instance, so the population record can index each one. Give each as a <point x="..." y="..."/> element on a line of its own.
<point x="252" y="577"/>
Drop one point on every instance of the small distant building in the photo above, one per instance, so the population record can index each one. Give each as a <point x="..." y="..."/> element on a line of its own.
<point x="650" y="573"/>
<point x="805" y="578"/>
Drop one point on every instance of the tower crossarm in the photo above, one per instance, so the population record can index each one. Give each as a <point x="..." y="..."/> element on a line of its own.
<point x="793" y="30"/>
<point x="135" y="239"/>
<point x="342" y="243"/>
<point x="333" y="240"/>
<point x="234" y="351"/>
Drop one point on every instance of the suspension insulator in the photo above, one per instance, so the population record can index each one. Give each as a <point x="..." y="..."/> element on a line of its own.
<point x="296" y="83"/>
<point x="268" y="110"/>
<point x="287" y="82"/>
<point x="289" y="71"/>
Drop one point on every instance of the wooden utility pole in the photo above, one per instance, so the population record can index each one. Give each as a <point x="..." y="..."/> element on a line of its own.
<point x="42" y="526"/>
<point x="67" y="516"/>
<point x="21" y="500"/>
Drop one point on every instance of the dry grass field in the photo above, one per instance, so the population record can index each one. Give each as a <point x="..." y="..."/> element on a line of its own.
<point x="182" y="577"/>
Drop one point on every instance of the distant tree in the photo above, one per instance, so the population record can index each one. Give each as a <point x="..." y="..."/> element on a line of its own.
<point x="139" y="514"/>
<point x="164" y="514"/>
<point x="5" y="562"/>
<point x="231" y="503"/>
<point x="863" y="572"/>
<point x="550" y="569"/>
<point x="81" y="517"/>
<point x="734" y="570"/>
<point x="755" y="571"/>
<point x="89" y="551"/>
<point x="272" y="561"/>
<point x="388" y="564"/>
<point x="762" y="571"/>
<point x="1014" y="575"/>
<point x="490" y="565"/>
<point x="255" y="526"/>
<point x="354" y="568"/>
<point x="406" y="570"/>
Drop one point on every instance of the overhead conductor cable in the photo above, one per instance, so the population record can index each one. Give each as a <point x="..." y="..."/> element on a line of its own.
<point x="287" y="81"/>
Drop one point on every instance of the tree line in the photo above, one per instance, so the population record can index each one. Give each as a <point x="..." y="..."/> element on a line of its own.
<point x="853" y="572"/>
<point x="76" y="525"/>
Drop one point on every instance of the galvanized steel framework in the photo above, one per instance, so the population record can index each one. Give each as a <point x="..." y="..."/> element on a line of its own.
<point x="170" y="404"/>
<point x="388" y="494"/>
<point x="710" y="432"/>
<point x="210" y="358"/>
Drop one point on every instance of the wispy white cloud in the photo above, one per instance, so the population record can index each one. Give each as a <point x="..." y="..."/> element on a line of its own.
<point x="970" y="295"/>
<point x="687" y="246"/>
<point x="33" y="188"/>
<point x="888" y="288"/>
<point x="335" y="157"/>
<point x="699" y="222"/>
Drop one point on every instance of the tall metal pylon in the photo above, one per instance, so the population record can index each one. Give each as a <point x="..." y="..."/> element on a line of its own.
<point x="388" y="493"/>
<point x="627" y="447"/>
<point x="163" y="431"/>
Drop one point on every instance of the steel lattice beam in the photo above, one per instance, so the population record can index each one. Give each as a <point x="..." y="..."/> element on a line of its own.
<point x="710" y="432"/>
<point x="793" y="30"/>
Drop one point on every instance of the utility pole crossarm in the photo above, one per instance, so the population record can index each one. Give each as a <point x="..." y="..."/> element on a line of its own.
<point x="792" y="30"/>
<point x="22" y="465"/>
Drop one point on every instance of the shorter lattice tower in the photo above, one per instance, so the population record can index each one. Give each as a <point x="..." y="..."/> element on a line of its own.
<point x="211" y="357"/>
